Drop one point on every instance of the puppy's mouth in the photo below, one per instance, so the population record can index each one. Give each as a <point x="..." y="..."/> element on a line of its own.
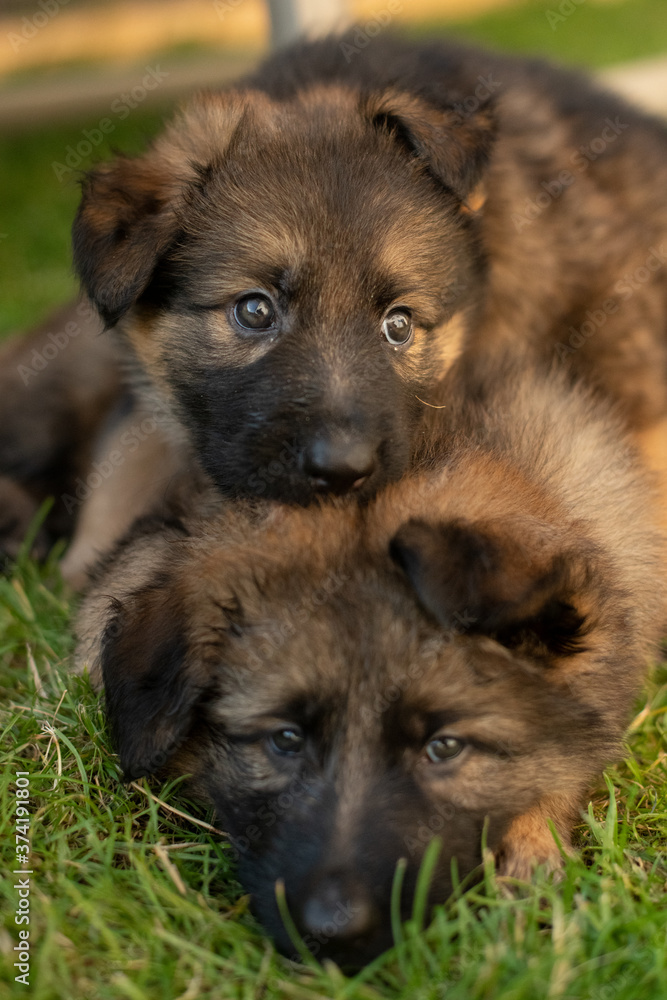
<point x="305" y="490"/>
<point x="338" y="485"/>
<point x="350" y="951"/>
<point x="350" y="958"/>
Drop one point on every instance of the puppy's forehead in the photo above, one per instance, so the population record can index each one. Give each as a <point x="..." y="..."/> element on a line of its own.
<point x="309" y="179"/>
<point x="331" y="647"/>
<point x="304" y="614"/>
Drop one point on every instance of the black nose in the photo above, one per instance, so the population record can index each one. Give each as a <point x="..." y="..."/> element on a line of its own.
<point x="339" y="910"/>
<point x="339" y="464"/>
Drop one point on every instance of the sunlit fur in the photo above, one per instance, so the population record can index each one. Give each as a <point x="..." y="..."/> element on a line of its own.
<point x="507" y="594"/>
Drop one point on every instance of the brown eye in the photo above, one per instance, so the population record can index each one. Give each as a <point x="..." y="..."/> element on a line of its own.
<point x="255" y="312"/>
<point x="397" y="327"/>
<point x="444" y="748"/>
<point x="289" y="740"/>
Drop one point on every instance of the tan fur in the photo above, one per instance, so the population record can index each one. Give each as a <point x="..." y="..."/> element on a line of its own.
<point x="273" y="607"/>
<point x="652" y="444"/>
<point x="143" y="478"/>
<point x="529" y="841"/>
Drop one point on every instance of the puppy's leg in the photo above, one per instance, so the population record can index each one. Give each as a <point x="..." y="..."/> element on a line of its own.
<point x="528" y="841"/>
<point x="57" y="385"/>
<point x="134" y="473"/>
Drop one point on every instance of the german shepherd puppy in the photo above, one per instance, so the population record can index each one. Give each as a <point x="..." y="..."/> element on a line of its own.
<point x="344" y="683"/>
<point x="297" y="262"/>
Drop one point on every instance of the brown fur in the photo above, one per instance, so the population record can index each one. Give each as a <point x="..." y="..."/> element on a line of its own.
<point x="58" y="389"/>
<point x="343" y="188"/>
<point x="507" y="596"/>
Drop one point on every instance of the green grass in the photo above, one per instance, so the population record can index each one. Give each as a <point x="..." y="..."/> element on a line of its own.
<point x="594" y="34"/>
<point x="36" y="209"/>
<point x="130" y="899"/>
<point x="38" y="205"/>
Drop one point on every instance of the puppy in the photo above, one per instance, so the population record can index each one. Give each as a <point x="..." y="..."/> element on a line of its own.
<point x="297" y="262"/>
<point x="345" y="683"/>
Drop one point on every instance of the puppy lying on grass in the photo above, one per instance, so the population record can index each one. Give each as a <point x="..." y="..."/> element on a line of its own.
<point x="344" y="683"/>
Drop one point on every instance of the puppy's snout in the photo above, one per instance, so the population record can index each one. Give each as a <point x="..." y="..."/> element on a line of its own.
<point x="339" y="910"/>
<point x="339" y="464"/>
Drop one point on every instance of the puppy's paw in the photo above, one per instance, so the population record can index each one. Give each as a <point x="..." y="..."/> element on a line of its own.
<point x="529" y="844"/>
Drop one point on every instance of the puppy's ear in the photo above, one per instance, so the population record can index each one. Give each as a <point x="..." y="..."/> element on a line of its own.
<point x="130" y="208"/>
<point x="124" y="223"/>
<point x="152" y="687"/>
<point x="455" y="147"/>
<point x="512" y="580"/>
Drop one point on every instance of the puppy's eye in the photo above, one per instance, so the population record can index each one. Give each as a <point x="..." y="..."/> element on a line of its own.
<point x="444" y="748"/>
<point x="255" y="312"/>
<point x="397" y="327"/>
<point x="288" y="740"/>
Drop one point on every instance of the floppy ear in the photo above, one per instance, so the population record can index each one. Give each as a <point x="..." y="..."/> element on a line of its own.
<point x="152" y="688"/>
<point x="125" y="222"/>
<point x="512" y="580"/>
<point x="454" y="147"/>
<point x="129" y="212"/>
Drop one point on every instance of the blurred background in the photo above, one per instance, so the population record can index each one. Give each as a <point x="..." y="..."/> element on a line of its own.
<point x="81" y="79"/>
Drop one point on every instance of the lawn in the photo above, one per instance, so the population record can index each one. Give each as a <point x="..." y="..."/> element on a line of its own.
<point x="131" y="895"/>
<point x="37" y="205"/>
<point x="591" y="33"/>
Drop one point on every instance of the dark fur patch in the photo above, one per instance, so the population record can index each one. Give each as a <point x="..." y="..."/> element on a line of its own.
<point x="122" y="227"/>
<point x="508" y="581"/>
<point x="150" y="697"/>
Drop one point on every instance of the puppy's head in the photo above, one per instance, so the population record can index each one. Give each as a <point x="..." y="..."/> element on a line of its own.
<point x="294" y="276"/>
<point x="341" y="707"/>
